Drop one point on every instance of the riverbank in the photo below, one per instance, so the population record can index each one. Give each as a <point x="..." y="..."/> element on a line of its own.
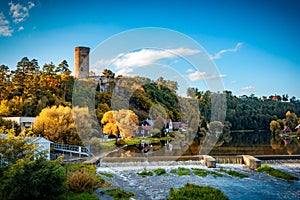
<point x="255" y="186"/>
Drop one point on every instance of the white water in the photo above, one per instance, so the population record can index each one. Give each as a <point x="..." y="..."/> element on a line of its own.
<point x="257" y="186"/>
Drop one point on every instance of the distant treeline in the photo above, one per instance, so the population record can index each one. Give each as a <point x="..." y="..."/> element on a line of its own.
<point x="29" y="88"/>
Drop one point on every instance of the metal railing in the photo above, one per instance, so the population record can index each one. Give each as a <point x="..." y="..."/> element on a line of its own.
<point x="72" y="149"/>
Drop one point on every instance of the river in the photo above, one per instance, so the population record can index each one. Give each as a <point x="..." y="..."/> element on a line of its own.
<point x="256" y="186"/>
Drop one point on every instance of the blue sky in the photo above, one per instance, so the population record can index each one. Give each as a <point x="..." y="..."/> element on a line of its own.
<point x="254" y="44"/>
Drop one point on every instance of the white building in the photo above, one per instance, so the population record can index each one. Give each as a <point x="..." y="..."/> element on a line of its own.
<point x="42" y="145"/>
<point x="24" y="122"/>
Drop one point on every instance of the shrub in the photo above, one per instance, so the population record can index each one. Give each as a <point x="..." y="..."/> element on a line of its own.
<point x="82" y="181"/>
<point x="276" y="173"/>
<point x="37" y="179"/>
<point x="191" y="192"/>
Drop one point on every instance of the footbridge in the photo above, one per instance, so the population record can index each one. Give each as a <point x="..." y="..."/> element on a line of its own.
<point x="72" y="149"/>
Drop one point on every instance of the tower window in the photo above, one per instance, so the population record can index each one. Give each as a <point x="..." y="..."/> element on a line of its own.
<point x="81" y="69"/>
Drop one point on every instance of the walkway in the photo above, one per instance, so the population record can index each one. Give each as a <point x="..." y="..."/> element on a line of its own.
<point x="73" y="149"/>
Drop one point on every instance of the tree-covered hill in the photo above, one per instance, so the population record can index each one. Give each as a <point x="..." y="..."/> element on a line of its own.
<point x="30" y="88"/>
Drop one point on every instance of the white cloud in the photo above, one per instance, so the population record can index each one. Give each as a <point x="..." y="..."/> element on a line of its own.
<point x="248" y="88"/>
<point x="197" y="75"/>
<point x="125" y="71"/>
<point x="5" y="29"/>
<point x="30" y="5"/>
<point x="21" y="28"/>
<point x="124" y="62"/>
<point x="219" y="54"/>
<point x="146" y="57"/>
<point x="18" y="12"/>
<point x="189" y="70"/>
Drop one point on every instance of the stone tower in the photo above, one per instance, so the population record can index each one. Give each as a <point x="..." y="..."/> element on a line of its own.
<point x="82" y="67"/>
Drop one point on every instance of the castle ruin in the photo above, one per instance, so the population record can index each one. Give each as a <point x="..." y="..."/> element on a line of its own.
<point x="82" y="67"/>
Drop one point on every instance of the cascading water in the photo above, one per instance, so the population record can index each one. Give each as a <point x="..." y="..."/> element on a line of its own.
<point x="256" y="186"/>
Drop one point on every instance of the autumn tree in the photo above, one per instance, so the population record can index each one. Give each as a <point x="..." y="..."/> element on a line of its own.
<point x="275" y="127"/>
<point x="121" y="122"/>
<point x="57" y="125"/>
<point x="291" y="120"/>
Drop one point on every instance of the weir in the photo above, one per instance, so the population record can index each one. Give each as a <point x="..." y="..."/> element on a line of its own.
<point x="229" y="159"/>
<point x="251" y="161"/>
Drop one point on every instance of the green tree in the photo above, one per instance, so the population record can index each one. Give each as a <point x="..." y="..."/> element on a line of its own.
<point x="14" y="147"/>
<point x="5" y="83"/>
<point x="33" y="179"/>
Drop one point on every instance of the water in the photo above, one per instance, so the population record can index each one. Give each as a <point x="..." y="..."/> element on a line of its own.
<point x="239" y="143"/>
<point x="257" y="186"/>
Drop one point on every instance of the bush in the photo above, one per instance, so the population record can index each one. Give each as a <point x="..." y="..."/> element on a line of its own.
<point x="191" y="192"/>
<point x="276" y="173"/>
<point x="38" y="179"/>
<point x="82" y="181"/>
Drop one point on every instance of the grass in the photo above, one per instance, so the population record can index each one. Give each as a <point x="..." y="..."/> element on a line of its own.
<point x="118" y="193"/>
<point x="134" y="141"/>
<point x="191" y="192"/>
<point x="160" y="171"/>
<point x="80" y="167"/>
<point x="79" y="196"/>
<point x="107" y="174"/>
<point x="145" y="173"/>
<point x="234" y="173"/>
<point x="204" y="173"/>
<point x="107" y="145"/>
<point x="276" y="173"/>
<point x="181" y="171"/>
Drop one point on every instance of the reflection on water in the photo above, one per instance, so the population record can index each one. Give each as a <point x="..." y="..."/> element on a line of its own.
<point x="237" y="143"/>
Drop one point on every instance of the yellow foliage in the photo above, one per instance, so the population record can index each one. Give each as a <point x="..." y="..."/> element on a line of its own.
<point x="122" y="121"/>
<point x="55" y="121"/>
<point x="275" y="127"/>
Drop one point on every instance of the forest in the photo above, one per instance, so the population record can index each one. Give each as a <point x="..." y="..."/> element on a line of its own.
<point x="29" y="88"/>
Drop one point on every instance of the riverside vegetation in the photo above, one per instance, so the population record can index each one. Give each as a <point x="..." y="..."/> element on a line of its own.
<point x="276" y="173"/>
